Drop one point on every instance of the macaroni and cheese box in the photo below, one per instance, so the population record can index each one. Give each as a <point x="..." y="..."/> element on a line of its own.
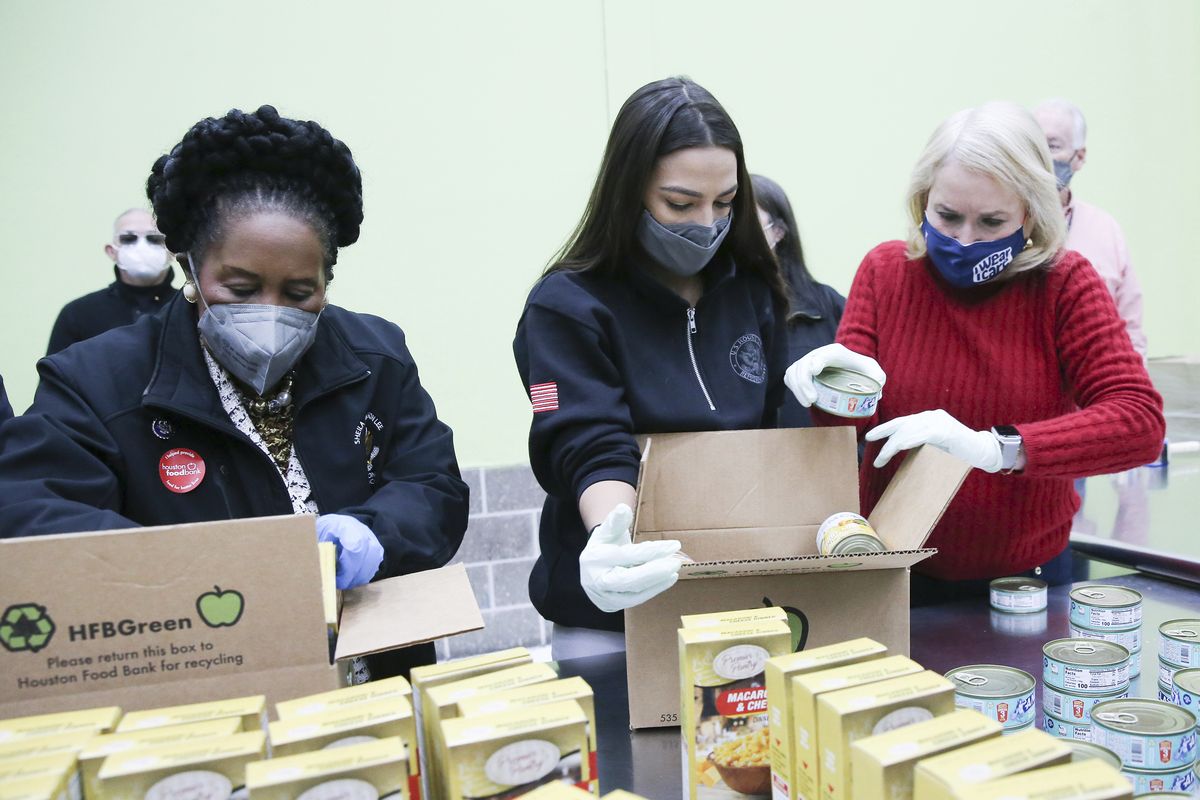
<point x="209" y="768"/>
<point x="92" y="756"/>
<point x="330" y="605"/>
<point x="367" y="692"/>
<point x="59" y="766"/>
<point x="45" y="787"/>
<point x="845" y="716"/>
<point x="723" y="707"/>
<point x="382" y="719"/>
<point x="956" y="773"/>
<point x="575" y="688"/>
<point x="373" y="770"/>
<point x="441" y="704"/>
<point x="505" y="754"/>
<point x="621" y="794"/>
<point x="99" y="720"/>
<point x="557" y="791"/>
<point x="251" y="710"/>
<point x="1086" y="780"/>
<point x="882" y="766"/>
<point x="779" y="674"/>
<point x="749" y="616"/>
<point x="71" y="742"/>
<point x="805" y="765"/>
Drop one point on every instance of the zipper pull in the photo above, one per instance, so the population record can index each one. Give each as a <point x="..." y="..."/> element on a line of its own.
<point x="691" y="320"/>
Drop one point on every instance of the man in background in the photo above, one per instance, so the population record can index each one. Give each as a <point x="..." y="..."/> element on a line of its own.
<point x="1091" y="231"/>
<point x="142" y="286"/>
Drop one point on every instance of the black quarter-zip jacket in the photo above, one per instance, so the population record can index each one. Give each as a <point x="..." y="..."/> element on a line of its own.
<point x="628" y="357"/>
<point x="115" y="305"/>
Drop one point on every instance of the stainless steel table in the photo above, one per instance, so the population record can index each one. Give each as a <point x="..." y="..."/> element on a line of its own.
<point x="943" y="637"/>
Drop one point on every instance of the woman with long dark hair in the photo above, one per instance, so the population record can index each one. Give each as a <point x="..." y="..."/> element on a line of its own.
<point x="663" y="312"/>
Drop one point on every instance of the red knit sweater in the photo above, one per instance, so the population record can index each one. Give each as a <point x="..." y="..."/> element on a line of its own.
<point x="1044" y="351"/>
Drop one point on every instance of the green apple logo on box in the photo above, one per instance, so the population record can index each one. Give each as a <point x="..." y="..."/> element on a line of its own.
<point x="25" y="626"/>
<point x="220" y="609"/>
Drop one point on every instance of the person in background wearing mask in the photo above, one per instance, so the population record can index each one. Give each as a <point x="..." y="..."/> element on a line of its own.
<point x="816" y="309"/>
<point x="664" y="312"/>
<point x="285" y="403"/>
<point x="1000" y="347"/>
<point x="6" y="412"/>
<point x="143" y="284"/>
<point x="1091" y="231"/>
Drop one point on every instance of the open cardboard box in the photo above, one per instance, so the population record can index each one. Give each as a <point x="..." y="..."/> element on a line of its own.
<point x="746" y="506"/>
<point x="189" y="613"/>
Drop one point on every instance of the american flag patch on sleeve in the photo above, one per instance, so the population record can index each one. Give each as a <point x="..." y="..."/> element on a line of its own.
<point x="544" y="396"/>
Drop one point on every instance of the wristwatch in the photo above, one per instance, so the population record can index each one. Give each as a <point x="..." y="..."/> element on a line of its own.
<point x="1010" y="446"/>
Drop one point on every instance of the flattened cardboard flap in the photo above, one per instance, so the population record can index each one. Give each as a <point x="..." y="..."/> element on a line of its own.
<point x="916" y="497"/>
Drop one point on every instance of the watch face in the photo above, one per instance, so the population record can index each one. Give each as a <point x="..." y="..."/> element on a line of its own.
<point x="1007" y="431"/>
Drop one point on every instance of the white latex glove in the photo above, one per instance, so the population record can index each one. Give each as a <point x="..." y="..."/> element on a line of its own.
<point x="799" y="376"/>
<point x="617" y="574"/>
<point x="980" y="449"/>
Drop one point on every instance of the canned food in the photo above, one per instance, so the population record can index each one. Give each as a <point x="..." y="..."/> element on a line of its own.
<point x="846" y="533"/>
<point x="1166" y="694"/>
<point x="1159" y="795"/>
<point x="1083" y="751"/>
<point x="1146" y="734"/>
<point x="1018" y="595"/>
<point x="1105" y="607"/>
<point x="1185" y="689"/>
<point x="1085" y="665"/>
<point x="1081" y="732"/>
<point x="1180" y="642"/>
<point x="1179" y="782"/>
<point x="1131" y="639"/>
<point x="846" y="393"/>
<point x="1011" y="624"/>
<point x="1002" y="693"/>
<point x="1075" y="707"/>
<point x="1166" y="672"/>
<point x="1022" y="729"/>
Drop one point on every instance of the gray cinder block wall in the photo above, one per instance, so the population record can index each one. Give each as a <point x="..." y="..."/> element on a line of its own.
<point x="498" y="551"/>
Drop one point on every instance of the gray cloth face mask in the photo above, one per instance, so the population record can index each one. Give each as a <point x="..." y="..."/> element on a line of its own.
<point x="1063" y="173"/>
<point x="257" y="344"/>
<point x="684" y="248"/>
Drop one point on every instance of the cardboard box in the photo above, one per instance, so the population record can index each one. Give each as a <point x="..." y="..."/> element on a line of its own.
<point x="882" y="766"/>
<point x="46" y="787"/>
<point x="135" y="617"/>
<point x="746" y="506"/>
<point x="804" y="768"/>
<point x="71" y="742"/>
<point x="575" y="688"/>
<point x="96" y="720"/>
<point x="205" y="768"/>
<point x="845" y="716"/>
<point x="367" y="692"/>
<point x="956" y="773"/>
<point x="92" y="756"/>
<point x="250" y="711"/>
<point x="747" y="616"/>
<point x="780" y="671"/>
<point x="724" y="741"/>
<point x="1091" y="780"/>
<point x="55" y="765"/>
<point x="383" y="719"/>
<point x="494" y="755"/>
<point x="370" y="769"/>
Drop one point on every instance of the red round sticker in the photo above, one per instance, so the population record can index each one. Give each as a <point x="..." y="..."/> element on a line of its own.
<point x="181" y="470"/>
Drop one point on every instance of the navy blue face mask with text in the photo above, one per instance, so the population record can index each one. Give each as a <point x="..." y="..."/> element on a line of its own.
<point x="967" y="265"/>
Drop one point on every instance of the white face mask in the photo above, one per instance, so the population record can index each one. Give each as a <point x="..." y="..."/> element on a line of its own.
<point x="142" y="260"/>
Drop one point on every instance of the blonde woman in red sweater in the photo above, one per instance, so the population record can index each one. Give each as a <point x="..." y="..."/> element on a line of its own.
<point x="999" y="347"/>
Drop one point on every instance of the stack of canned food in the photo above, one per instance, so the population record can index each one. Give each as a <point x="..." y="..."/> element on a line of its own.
<point x="1179" y="649"/>
<point x="1112" y="614"/>
<point x="1004" y="694"/>
<point x="1155" y="741"/>
<point x="1077" y="675"/>
<point x="1018" y="606"/>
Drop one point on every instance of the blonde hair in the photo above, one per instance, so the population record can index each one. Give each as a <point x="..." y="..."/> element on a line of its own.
<point x="1004" y="142"/>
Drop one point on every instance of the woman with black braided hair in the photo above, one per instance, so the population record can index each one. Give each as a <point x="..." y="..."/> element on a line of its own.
<point x="282" y="403"/>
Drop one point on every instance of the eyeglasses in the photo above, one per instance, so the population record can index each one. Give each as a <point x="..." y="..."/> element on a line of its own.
<point x="151" y="238"/>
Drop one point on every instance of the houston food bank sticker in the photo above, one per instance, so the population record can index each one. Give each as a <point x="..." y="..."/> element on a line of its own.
<point x="181" y="470"/>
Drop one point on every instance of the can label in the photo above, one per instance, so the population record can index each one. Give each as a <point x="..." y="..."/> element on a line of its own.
<point x="1148" y="751"/>
<point x="1180" y="645"/>
<point x="1181" y="780"/>
<point x="1011" y="712"/>
<point x="1074" y="708"/>
<point x="1181" y="697"/>
<point x="839" y="528"/>
<point x="1018" y="602"/>
<point x="1096" y="618"/>
<point x="1076" y="678"/>
<point x="1081" y="732"/>
<point x="858" y="399"/>
<point x="1166" y="673"/>
<point x="1131" y="640"/>
<point x="1168" y="695"/>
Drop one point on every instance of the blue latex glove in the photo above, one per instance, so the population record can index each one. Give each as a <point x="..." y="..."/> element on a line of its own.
<point x="359" y="553"/>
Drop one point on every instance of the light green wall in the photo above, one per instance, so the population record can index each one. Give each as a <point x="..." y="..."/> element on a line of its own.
<point x="479" y="126"/>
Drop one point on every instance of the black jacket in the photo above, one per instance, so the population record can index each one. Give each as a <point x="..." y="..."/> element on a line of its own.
<point x="618" y="354"/>
<point x="812" y="323"/>
<point x="111" y="307"/>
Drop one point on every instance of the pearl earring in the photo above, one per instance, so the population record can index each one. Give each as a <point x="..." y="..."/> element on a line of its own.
<point x="190" y="293"/>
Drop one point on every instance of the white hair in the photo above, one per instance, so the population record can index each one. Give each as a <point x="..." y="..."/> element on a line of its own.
<point x="1078" y="123"/>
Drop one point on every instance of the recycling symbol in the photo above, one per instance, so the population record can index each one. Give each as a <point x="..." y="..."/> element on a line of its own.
<point x="25" y="626"/>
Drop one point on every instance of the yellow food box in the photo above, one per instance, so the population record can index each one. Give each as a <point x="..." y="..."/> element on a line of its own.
<point x="882" y="766"/>
<point x="441" y="704"/>
<point x="575" y="688"/>
<point x="58" y="766"/>
<point x="425" y="678"/>
<point x="494" y="754"/>
<point x="805" y="766"/>
<point x="748" y="616"/>
<point x="71" y="742"/>
<point x="557" y="791"/>
<point x="100" y="720"/>
<point x="367" y="692"/>
<point x="1086" y="780"/>
<point x="45" y="787"/>
<point x="368" y="770"/>
<point x="845" y="716"/>
<point x="209" y="768"/>
<point x="621" y="794"/>
<point x="382" y="719"/>
<point x="723" y="705"/>
<point x="92" y="756"/>
<point x="252" y="710"/>
<point x="779" y="673"/>
<point x="956" y="773"/>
